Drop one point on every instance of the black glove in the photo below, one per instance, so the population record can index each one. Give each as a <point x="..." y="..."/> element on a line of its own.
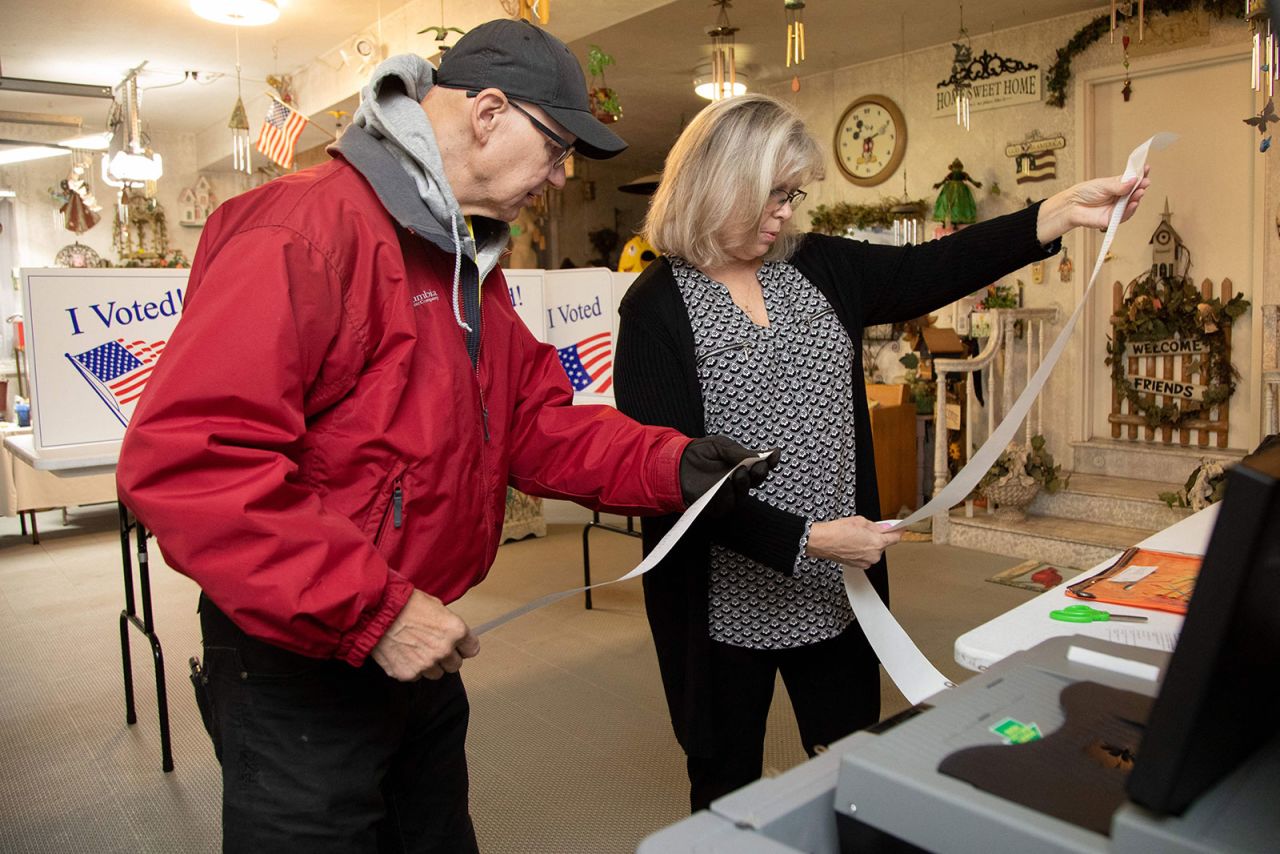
<point x="706" y="460"/>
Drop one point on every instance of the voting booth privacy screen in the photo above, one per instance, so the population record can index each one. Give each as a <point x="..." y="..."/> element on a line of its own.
<point x="1218" y="704"/>
<point x="575" y="311"/>
<point x="93" y="338"/>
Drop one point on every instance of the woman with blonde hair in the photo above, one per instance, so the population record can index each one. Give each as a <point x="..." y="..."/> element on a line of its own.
<point x="747" y="328"/>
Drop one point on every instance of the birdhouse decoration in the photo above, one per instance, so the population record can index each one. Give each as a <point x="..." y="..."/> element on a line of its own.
<point x="196" y="203"/>
<point x="1169" y="256"/>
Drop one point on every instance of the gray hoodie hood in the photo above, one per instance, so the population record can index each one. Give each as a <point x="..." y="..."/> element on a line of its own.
<point x="390" y="120"/>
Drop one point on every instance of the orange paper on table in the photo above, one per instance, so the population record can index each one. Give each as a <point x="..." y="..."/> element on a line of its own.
<point x="1142" y="578"/>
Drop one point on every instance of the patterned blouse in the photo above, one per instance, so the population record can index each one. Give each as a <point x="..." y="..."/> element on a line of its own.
<point x="787" y="385"/>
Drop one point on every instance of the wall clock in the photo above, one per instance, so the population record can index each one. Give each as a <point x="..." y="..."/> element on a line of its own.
<point x="871" y="138"/>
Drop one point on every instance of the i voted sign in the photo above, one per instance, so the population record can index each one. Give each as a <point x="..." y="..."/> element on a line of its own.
<point x="93" y="339"/>
<point x="579" y="323"/>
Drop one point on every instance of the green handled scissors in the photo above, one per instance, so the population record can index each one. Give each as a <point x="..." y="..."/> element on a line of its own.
<point x="1090" y="614"/>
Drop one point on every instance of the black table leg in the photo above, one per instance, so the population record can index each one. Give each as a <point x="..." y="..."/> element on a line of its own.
<point x="146" y="625"/>
<point x="595" y="522"/>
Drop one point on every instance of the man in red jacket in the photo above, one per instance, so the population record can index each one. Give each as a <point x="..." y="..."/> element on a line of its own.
<point x="326" y="445"/>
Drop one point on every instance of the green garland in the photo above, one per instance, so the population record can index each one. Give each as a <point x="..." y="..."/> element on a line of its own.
<point x="842" y="216"/>
<point x="1157" y="309"/>
<point x="1059" y="73"/>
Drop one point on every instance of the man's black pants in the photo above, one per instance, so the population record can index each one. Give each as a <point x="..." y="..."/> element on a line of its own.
<point x="834" y="686"/>
<point x="319" y="756"/>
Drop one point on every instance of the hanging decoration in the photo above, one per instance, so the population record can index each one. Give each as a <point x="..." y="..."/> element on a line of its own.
<point x="1034" y="159"/>
<point x="140" y="234"/>
<point x="955" y="204"/>
<point x="724" y="65"/>
<point x="1265" y="116"/>
<point x="80" y="210"/>
<point x="986" y="82"/>
<point x="1126" y="91"/>
<point x="282" y="85"/>
<point x="239" y="125"/>
<point x="1059" y="73"/>
<point x="794" y="10"/>
<point x="1141" y="19"/>
<point x="129" y="159"/>
<point x="1266" y="51"/>
<point x="961" y="79"/>
<point x="908" y="218"/>
<point x="77" y="216"/>
<point x="603" y="100"/>
<point x="1065" y="267"/>
<point x="442" y="32"/>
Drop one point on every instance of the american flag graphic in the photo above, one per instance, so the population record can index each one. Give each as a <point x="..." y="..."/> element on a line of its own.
<point x="588" y="361"/>
<point x="280" y="132"/>
<point x="1037" y="167"/>
<point x="117" y="371"/>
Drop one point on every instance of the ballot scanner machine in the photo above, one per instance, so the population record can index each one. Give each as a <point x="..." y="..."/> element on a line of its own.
<point x="1075" y="745"/>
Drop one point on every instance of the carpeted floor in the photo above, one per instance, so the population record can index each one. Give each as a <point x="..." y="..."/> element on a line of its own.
<point x="570" y="746"/>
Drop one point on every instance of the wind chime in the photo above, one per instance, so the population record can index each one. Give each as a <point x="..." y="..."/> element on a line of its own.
<point x="1142" y="15"/>
<point x="1266" y="48"/>
<point x="961" y="75"/>
<point x="1265" y="70"/>
<point x="908" y="218"/>
<point x="794" y="10"/>
<point x="724" y="67"/>
<point x="239" y="124"/>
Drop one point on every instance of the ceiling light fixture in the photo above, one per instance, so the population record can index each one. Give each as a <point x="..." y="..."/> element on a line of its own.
<point x="239" y="13"/>
<point x="704" y="83"/>
<point x="24" y="151"/>
<point x="88" y="142"/>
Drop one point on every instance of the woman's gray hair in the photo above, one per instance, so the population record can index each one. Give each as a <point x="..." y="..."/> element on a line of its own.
<point x="718" y="176"/>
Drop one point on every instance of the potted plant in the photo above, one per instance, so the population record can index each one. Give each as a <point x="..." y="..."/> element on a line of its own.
<point x="1018" y="475"/>
<point x="604" y="101"/>
<point x="996" y="296"/>
<point x="923" y="391"/>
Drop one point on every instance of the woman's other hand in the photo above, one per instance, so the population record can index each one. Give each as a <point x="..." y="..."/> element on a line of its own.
<point x="852" y="541"/>
<point x="1088" y="205"/>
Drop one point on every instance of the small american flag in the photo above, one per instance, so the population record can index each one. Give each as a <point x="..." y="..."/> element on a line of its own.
<point x="280" y="133"/>
<point x="588" y="361"/>
<point x="117" y="371"/>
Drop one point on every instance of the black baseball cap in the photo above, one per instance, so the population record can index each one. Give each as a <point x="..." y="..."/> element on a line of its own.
<point x="533" y="66"/>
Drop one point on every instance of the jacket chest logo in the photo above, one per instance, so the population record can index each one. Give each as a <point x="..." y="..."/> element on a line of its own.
<point x="425" y="297"/>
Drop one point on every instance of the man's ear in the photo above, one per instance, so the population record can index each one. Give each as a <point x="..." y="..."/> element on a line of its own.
<point x="487" y="110"/>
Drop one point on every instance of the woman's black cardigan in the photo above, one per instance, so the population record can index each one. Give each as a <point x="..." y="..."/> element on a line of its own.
<point x="656" y="382"/>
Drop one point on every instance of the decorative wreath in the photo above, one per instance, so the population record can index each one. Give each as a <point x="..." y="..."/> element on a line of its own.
<point x="1160" y="308"/>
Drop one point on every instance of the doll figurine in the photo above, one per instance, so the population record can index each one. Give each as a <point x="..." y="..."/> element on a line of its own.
<point x="955" y="204"/>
